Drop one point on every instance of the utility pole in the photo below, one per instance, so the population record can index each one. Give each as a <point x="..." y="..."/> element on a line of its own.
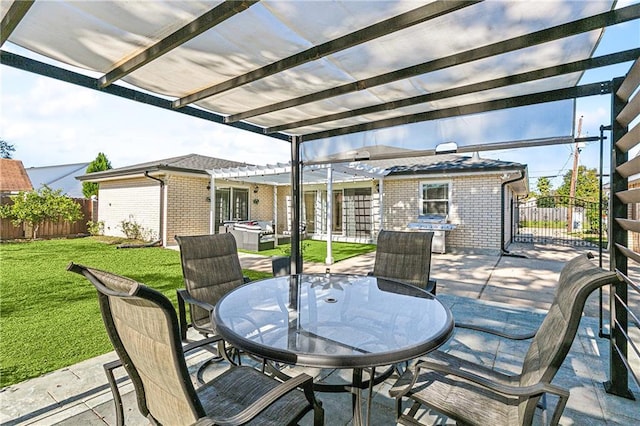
<point x="574" y="178"/>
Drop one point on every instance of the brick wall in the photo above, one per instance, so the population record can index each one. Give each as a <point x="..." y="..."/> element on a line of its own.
<point x="187" y="206"/>
<point x="135" y="200"/>
<point x="263" y="209"/>
<point x="474" y="208"/>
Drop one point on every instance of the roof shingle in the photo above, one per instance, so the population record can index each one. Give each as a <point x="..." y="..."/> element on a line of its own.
<point x="13" y="177"/>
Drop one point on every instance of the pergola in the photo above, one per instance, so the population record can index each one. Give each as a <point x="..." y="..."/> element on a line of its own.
<point x="338" y="77"/>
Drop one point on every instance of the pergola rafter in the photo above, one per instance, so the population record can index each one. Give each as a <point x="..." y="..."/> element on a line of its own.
<point x="521" y="42"/>
<point x="397" y="23"/>
<point x="12" y="18"/>
<point x="494" y="105"/>
<point x="205" y="22"/>
<point x="577" y="66"/>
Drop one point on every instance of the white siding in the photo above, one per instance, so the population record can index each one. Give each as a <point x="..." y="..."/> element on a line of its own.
<point x="133" y="200"/>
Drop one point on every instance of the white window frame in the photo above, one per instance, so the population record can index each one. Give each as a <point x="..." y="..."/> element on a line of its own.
<point x="421" y="192"/>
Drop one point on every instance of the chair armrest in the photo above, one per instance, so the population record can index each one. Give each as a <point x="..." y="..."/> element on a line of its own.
<point x="199" y="343"/>
<point x="184" y="296"/>
<point x="537" y="389"/>
<point x="190" y="300"/>
<point x="518" y="391"/>
<point x="510" y="336"/>
<point x="265" y="401"/>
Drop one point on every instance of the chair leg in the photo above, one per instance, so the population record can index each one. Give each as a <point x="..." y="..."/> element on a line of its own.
<point x="318" y="414"/>
<point x="543" y="405"/>
<point x="182" y="316"/>
<point x="432" y="286"/>
<point x="117" y="400"/>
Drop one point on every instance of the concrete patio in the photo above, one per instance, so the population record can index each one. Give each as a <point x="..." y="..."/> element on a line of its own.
<point x="503" y="291"/>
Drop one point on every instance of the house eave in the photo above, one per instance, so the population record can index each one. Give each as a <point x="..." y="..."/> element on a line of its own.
<point x="459" y="172"/>
<point x="139" y="172"/>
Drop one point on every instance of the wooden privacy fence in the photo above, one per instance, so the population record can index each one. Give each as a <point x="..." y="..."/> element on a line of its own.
<point x="49" y="229"/>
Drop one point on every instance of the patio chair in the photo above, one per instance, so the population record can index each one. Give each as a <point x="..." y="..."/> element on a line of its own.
<point x="281" y="266"/>
<point x="143" y="328"/>
<point x="211" y="268"/>
<point x="406" y="257"/>
<point x="474" y="394"/>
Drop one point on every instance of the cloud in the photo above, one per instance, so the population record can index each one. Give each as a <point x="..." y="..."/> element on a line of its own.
<point x="51" y="122"/>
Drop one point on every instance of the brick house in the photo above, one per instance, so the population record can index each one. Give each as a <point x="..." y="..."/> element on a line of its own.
<point x="173" y="196"/>
<point x="476" y="195"/>
<point x="391" y="194"/>
<point x="164" y="198"/>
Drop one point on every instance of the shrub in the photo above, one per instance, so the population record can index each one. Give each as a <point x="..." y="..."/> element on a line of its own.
<point x="95" y="228"/>
<point x="36" y="207"/>
<point x="135" y="231"/>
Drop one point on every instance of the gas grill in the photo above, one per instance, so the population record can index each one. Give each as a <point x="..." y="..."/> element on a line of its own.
<point x="436" y="224"/>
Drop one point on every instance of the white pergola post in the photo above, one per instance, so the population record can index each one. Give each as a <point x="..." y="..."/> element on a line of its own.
<point x="329" y="259"/>
<point x="380" y="202"/>
<point x="275" y="214"/>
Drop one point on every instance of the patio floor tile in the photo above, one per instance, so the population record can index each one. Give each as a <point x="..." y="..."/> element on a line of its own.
<point x="79" y="394"/>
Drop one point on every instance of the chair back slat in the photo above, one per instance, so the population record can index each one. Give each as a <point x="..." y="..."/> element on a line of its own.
<point x="143" y="328"/>
<point x="553" y="340"/>
<point x="404" y="256"/>
<point x="211" y="268"/>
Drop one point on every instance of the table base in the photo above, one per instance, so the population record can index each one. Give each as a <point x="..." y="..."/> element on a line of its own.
<point x="355" y="388"/>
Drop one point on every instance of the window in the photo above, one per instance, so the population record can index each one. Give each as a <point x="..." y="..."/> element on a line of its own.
<point x="357" y="212"/>
<point x="337" y="212"/>
<point x="228" y="210"/>
<point x="240" y="204"/>
<point x="434" y="198"/>
<point x="309" y="209"/>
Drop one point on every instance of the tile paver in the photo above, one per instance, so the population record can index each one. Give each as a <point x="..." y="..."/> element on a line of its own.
<point x="474" y="286"/>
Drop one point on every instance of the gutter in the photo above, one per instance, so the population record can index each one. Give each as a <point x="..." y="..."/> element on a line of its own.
<point x="161" y="227"/>
<point x="117" y="173"/>
<point x="503" y="251"/>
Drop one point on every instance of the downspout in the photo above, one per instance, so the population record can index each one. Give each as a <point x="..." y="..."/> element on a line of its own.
<point x="212" y="205"/>
<point x="161" y="228"/>
<point x="503" y="251"/>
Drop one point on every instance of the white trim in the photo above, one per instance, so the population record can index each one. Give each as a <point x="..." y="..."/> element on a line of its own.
<point x="451" y="175"/>
<point x="449" y="184"/>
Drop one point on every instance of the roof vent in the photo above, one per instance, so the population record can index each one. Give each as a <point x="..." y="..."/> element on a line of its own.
<point x="447" y="148"/>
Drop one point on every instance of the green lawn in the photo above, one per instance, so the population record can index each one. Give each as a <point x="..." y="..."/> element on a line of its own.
<point x="316" y="251"/>
<point x="49" y="318"/>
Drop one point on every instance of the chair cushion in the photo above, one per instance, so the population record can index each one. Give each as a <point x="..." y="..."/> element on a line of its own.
<point x="444" y="393"/>
<point x="239" y="387"/>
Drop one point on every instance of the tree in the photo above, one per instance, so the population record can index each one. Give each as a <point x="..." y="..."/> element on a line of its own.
<point x="100" y="164"/>
<point x="35" y="207"/>
<point x="6" y="149"/>
<point x="544" y="186"/>
<point x="587" y="184"/>
<point x="545" y="196"/>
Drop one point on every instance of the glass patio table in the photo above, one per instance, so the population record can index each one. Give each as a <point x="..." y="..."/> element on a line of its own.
<point x="334" y="321"/>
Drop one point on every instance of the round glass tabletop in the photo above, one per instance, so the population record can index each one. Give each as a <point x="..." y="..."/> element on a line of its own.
<point x="333" y="320"/>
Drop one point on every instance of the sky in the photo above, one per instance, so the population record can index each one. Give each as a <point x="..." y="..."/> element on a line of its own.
<point x="51" y="122"/>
